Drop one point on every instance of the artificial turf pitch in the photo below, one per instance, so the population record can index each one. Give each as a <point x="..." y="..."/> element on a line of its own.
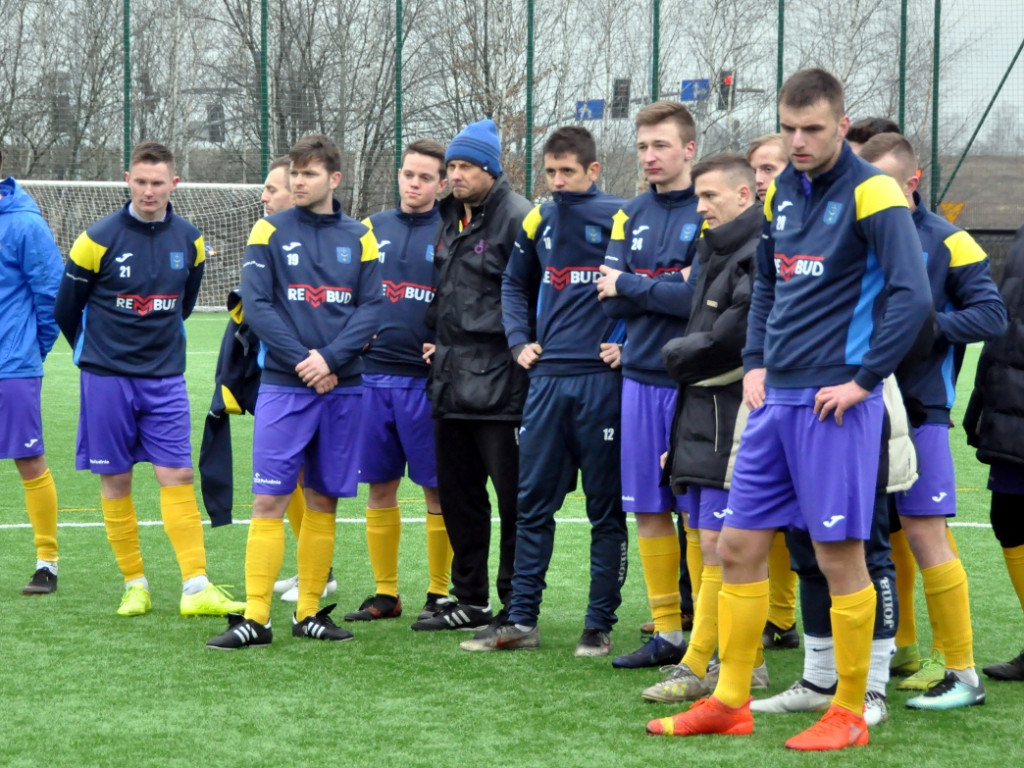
<point x="81" y="686"/>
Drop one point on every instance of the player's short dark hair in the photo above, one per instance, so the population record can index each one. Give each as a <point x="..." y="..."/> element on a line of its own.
<point x="281" y="162"/>
<point x="660" y="111"/>
<point x="429" y="148"/>
<point x="891" y="143"/>
<point x="151" y="152"/>
<point x="861" y="131"/>
<point x="811" y="86"/>
<point x="763" y="141"/>
<point x="573" y="140"/>
<point x="731" y="164"/>
<point x="316" y="148"/>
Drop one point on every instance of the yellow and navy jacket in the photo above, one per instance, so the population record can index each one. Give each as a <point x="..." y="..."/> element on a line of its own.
<point x="840" y="290"/>
<point x="556" y="259"/>
<point x="406" y="245"/>
<point x="311" y="281"/>
<point x="128" y="286"/>
<point x="968" y="308"/>
<point x="653" y="239"/>
<point x="30" y="270"/>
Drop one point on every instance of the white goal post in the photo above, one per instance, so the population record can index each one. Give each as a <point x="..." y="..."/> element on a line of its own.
<point x="224" y="213"/>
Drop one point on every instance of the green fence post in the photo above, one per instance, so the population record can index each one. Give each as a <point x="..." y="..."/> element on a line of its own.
<point x="264" y="94"/>
<point x="779" y="61"/>
<point x="655" y="49"/>
<point x="529" y="100"/>
<point x="126" y="44"/>
<point x="934" y="194"/>
<point x="398" y="92"/>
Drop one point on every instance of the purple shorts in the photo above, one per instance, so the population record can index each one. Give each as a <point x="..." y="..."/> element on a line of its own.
<point x="295" y="428"/>
<point x="396" y="430"/>
<point x="21" y="418"/>
<point x="123" y="420"/>
<point x="1007" y="478"/>
<point x="707" y="507"/>
<point x="646" y="432"/>
<point x="794" y="470"/>
<point x="934" y="493"/>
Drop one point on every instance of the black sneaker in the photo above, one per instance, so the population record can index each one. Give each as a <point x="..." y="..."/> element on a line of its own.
<point x="656" y="652"/>
<point x="377" y="607"/>
<point x="320" y="627"/>
<point x="1007" y="670"/>
<point x="593" y="642"/>
<point x="434" y="604"/>
<point x="456" y="616"/>
<point x="43" y="582"/>
<point x="775" y="638"/>
<point x="241" y="633"/>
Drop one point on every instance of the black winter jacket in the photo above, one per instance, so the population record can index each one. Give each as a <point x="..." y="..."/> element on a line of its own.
<point x="994" y="419"/>
<point x="473" y="375"/>
<point x="706" y="361"/>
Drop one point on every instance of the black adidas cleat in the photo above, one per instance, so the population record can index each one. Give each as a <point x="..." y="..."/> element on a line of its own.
<point x="241" y="633"/>
<point x="433" y="605"/>
<point x="43" y="582"/>
<point x="775" y="638"/>
<point x="456" y="616"/>
<point x="320" y="627"/>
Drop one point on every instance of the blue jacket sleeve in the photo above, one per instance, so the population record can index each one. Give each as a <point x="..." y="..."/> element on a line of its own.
<point x="668" y="295"/>
<point x="892" y="236"/>
<point x="43" y="266"/>
<point x="195" y="278"/>
<point x="522" y="276"/>
<point x="363" y="323"/>
<point x="617" y="257"/>
<point x="260" y="312"/>
<point x="761" y="301"/>
<point x="72" y="296"/>
<point x="978" y="312"/>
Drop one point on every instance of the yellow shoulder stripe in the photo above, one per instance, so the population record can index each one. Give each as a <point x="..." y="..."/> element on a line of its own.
<point x="230" y="403"/>
<point x="261" y="232"/>
<point x="963" y="249"/>
<point x="237" y="313"/>
<point x="531" y="222"/>
<point x="619" y="225"/>
<point x="878" y="193"/>
<point x="369" y="243"/>
<point x="200" y="251"/>
<point x="367" y="223"/>
<point x="769" y="197"/>
<point x="87" y="253"/>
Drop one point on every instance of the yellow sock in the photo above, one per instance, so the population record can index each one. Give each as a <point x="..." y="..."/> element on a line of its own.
<point x="949" y="609"/>
<point x="1014" y="558"/>
<point x="264" y="553"/>
<point x="695" y="561"/>
<point x="660" y="559"/>
<point x="383" y="532"/>
<point x="123" y="534"/>
<point x="316" y="551"/>
<point x="704" y="638"/>
<point x="781" y="585"/>
<point x="853" y="623"/>
<point x="41" y="504"/>
<point x="742" y="612"/>
<point x="952" y="542"/>
<point x="906" y="575"/>
<point x="184" y="528"/>
<point x="296" y="509"/>
<point x="439" y="555"/>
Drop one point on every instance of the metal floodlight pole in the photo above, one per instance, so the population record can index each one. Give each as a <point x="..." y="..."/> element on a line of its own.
<point x="398" y="92"/>
<point x="264" y="94"/>
<point x="126" y="43"/>
<point x="529" y="99"/>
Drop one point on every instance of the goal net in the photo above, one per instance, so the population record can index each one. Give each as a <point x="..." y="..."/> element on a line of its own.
<point x="224" y="213"/>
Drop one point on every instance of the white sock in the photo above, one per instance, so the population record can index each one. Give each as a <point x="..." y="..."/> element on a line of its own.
<point x="49" y="565"/>
<point x="820" y="661"/>
<point x="141" y="580"/>
<point x="969" y="676"/>
<point x="675" y="637"/>
<point x="523" y="628"/>
<point x="882" y="650"/>
<point x="195" y="584"/>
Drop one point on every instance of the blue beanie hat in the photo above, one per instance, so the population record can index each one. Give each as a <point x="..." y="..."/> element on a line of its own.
<point x="477" y="143"/>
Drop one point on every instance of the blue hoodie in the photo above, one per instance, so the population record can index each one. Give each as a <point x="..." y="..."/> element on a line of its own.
<point x="30" y="271"/>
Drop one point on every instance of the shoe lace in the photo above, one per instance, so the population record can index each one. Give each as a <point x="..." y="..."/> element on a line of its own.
<point x="943" y="686"/>
<point x="873" y="697"/>
<point x="222" y="589"/>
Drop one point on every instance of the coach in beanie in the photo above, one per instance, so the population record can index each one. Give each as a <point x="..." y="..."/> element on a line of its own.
<point x="477" y="143"/>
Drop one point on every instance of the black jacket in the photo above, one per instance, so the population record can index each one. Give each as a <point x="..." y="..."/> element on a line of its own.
<point x="994" y="419"/>
<point x="706" y="361"/>
<point x="237" y="382"/>
<point x="473" y="375"/>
